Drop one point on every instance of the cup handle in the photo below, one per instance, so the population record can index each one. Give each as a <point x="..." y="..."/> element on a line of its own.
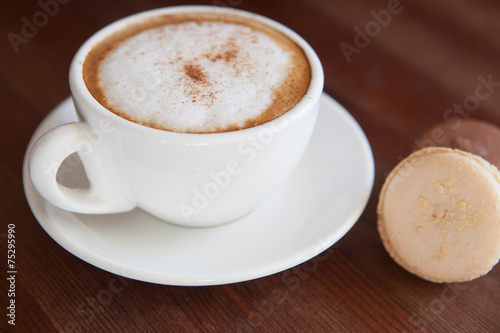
<point x="46" y="156"/>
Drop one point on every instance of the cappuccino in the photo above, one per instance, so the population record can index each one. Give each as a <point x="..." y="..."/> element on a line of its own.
<point x="198" y="72"/>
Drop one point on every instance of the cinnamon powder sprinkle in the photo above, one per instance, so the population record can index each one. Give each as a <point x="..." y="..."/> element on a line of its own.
<point x="195" y="72"/>
<point x="226" y="55"/>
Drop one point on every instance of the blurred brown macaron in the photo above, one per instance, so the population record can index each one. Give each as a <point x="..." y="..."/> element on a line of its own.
<point x="471" y="135"/>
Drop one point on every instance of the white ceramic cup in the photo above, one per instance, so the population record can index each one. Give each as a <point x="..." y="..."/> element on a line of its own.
<point x="182" y="178"/>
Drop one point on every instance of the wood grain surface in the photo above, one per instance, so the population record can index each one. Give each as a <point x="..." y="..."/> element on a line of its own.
<point x="421" y="59"/>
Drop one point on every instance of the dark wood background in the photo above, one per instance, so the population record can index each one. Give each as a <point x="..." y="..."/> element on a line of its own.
<point x="402" y="80"/>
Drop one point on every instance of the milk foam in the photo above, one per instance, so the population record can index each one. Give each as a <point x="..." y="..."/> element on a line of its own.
<point x="195" y="76"/>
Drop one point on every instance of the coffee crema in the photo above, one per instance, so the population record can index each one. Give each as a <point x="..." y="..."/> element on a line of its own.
<point x="198" y="73"/>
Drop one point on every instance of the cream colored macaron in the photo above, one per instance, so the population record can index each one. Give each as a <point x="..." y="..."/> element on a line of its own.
<point x="439" y="215"/>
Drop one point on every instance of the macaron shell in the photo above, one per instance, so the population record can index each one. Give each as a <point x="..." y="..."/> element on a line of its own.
<point x="439" y="215"/>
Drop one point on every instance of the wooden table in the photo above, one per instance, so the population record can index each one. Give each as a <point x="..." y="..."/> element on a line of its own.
<point x="397" y="66"/>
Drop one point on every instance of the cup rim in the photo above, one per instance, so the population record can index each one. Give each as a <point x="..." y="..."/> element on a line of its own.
<point x="81" y="93"/>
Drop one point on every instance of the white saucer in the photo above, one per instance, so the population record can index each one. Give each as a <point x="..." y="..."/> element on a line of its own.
<point x="316" y="207"/>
